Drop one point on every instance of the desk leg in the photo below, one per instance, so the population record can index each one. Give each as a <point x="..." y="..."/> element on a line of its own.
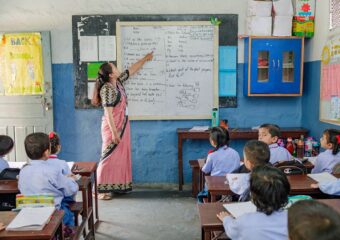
<point x="90" y="206"/>
<point x="59" y="234"/>
<point x="213" y="198"/>
<point x="96" y="195"/>
<point x="180" y="163"/>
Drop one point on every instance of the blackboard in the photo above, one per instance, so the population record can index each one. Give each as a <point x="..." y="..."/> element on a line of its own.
<point x="181" y="80"/>
<point x="105" y="25"/>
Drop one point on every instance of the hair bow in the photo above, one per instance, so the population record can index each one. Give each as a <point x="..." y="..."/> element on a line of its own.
<point x="51" y="135"/>
<point x="338" y="138"/>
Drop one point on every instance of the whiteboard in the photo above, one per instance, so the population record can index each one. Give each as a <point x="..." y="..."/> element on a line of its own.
<point x="181" y="80"/>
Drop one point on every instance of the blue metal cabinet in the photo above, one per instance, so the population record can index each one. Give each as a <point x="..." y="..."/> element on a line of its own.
<point x="273" y="66"/>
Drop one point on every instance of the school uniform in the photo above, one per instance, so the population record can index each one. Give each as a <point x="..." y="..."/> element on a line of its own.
<point x="40" y="177"/>
<point x="331" y="188"/>
<point x="326" y="161"/>
<point x="257" y="226"/>
<point x="3" y="164"/>
<point x="222" y="161"/>
<point x="54" y="161"/>
<point x="278" y="153"/>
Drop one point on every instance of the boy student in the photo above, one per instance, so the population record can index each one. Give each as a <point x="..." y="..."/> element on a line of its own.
<point x="6" y="145"/>
<point x="269" y="134"/>
<point x="313" y="220"/>
<point x="39" y="177"/>
<point x="269" y="188"/>
<point x="255" y="153"/>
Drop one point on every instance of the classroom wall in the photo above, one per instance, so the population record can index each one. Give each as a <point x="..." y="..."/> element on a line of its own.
<point x="312" y="66"/>
<point x="154" y="143"/>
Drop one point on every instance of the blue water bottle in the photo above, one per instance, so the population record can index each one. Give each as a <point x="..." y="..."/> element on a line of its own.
<point x="215" y="120"/>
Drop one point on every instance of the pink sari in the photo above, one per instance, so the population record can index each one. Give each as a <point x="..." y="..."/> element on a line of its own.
<point x="114" y="169"/>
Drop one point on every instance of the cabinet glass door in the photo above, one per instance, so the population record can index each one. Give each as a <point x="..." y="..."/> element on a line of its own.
<point x="287" y="67"/>
<point x="263" y="66"/>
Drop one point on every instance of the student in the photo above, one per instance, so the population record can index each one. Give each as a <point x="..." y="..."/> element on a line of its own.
<point x="40" y="177"/>
<point x="6" y="145"/>
<point x="313" y="220"/>
<point x="326" y="160"/>
<point x="269" y="189"/>
<point x="269" y="134"/>
<point x="331" y="188"/>
<point x="222" y="160"/>
<point x="255" y="153"/>
<point x="53" y="159"/>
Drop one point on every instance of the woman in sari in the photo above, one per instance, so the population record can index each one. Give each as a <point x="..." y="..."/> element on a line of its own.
<point x="114" y="169"/>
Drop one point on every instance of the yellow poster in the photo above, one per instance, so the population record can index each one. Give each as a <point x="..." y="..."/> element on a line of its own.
<point x="21" y="68"/>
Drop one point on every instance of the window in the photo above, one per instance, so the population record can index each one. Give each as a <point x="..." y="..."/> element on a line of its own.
<point x="334" y="14"/>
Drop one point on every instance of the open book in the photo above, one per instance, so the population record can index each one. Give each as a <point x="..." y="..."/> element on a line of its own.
<point x="31" y="219"/>
<point x="322" y="177"/>
<point x="240" y="208"/>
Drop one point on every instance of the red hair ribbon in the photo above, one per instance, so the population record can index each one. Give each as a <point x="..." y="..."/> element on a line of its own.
<point x="51" y="135"/>
<point x="211" y="151"/>
<point x="338" y="138"/>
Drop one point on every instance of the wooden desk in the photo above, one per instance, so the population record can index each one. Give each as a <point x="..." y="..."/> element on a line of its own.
<point x="299" y="184"/>
<point x="53" y="228"/>
<point x="216" y="186"/>
<point x="236" y="133"/>
<point x="88" y="169"/>
<point x="209" y="222"/>
<point x="9" y="186"/>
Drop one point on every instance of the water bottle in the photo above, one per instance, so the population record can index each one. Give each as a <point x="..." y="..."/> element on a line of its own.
<point x="290" y="146"/>
<point x="300" y="148"/>
<point x="308" y="147"/>
<point x="215" y="118"/>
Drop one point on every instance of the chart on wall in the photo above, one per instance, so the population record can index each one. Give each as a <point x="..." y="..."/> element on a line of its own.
<point x="181" y="80"/>
<point x="21" y="67"/>
<point x="330" y="81"/>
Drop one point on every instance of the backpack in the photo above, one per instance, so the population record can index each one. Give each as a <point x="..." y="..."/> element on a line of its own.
<point x="292" y="167"/>
<point x="9" y="174"/>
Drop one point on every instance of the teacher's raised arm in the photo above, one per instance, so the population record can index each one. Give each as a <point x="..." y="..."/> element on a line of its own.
<point x="139" y="64"/>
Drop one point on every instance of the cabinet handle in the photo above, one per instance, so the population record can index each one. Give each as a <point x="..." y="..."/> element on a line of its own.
<point x="273" y="63"/>
<point x="278" y="63"/>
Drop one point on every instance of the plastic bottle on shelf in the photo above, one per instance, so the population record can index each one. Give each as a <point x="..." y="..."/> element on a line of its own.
<point x="290" y="146"/>
<point x="308" y="147"/>
<point x="315" y="148"/>
<point x="215" y="118"/>
<point x="300" y="148"/>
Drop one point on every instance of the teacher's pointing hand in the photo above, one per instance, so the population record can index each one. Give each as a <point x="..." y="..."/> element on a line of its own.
<point x="149" y="56"/>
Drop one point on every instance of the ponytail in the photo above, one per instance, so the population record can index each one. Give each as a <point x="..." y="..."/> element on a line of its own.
<point x="219" y="137"/>
<point x="103" y="76"/>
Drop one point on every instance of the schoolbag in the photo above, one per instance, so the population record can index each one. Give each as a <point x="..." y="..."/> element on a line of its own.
<point x="9" y="174"/>
<point x="292" y="167"/>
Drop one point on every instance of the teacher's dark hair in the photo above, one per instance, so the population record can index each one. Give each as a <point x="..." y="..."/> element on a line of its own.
<point x="103" y="77"/>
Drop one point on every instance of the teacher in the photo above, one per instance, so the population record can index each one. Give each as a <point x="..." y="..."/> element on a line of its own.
<point x="114" y="169"/>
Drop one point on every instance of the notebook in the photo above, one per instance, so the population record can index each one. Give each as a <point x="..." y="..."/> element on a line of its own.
<point x="31" y="219"/>
<point x="322" y="177"/>
<point x="238" y="209"/>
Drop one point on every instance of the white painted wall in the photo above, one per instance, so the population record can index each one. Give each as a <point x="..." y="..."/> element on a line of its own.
<point x="56" y="16"/>
<point x="314" y="46"/>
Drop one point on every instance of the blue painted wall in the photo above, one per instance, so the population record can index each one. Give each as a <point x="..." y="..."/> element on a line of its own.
<point x="311" y="100"/>
<point x="154" y="143"/>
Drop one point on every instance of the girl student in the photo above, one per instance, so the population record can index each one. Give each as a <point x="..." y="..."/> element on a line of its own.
<point x="53" y="159"/>
<point x="326" y="160"/>
<point x="222" y="160"/>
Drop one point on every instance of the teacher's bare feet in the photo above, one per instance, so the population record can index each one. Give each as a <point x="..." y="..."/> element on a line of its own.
<point x="104" y="196"/>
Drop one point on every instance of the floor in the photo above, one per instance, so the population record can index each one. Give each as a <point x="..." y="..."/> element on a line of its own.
<point x="146" y="214"/>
